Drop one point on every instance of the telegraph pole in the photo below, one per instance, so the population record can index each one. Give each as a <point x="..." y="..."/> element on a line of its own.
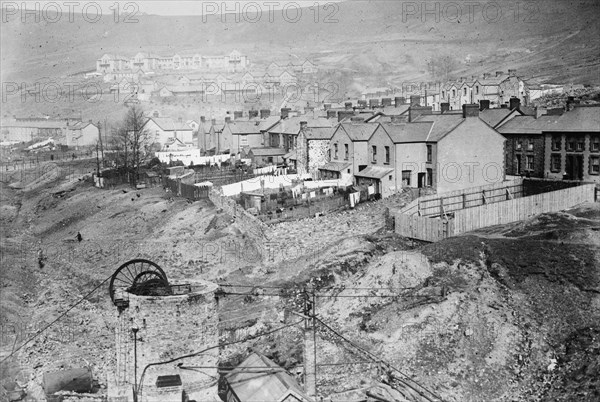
<point x="135" y="386"/>
<point x="310" y="345"/>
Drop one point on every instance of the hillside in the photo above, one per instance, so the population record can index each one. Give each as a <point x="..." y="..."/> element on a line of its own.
<point x="554" y="40"/>
<point x="498" y="315"/>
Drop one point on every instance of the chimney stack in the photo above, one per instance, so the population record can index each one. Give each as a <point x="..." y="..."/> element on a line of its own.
<point x="264" y="113"/>
<point x="252" y="113"/>
<point x="515" y="103"/>
<point x="470" y="110"/>
<point x="484" y="104"/>
<point x="238" y="114"/>
<point x="486" y="75"/>
<point x="362" y="104"/>
<point x="444" y="107"/>
<point x="327" y="106"/>
<point x="213" y="122"/>
<point x="331" y="114"/>
<point x="386" y="102"/>
<point x="348" y="105"/>
<point x="504" y="106"/>
<point x="373" y="103"/>
<point x="512" y="72"/>
<point x="499" y="73"/>
<point x="303" y="125"/>
<point x="342" y="114"/>
<point x="357" y="119"/>
<point x="227" y="119"/>
<point x="202" y="119"/>
<point x="415" y="100"/>
<point x="463" y="79"/>
<point x="285" y="112"/>
<point x="399" y="100"/>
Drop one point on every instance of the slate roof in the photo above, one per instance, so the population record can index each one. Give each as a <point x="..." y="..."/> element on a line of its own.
<point x="267" y="151"/>
<point x="359" y="131"/>
<point x="493" y="117"/>
<point x="291" y="125"/>
<point x="319" y="133"/>
<point x="169" y="124"/>
<point x="244" y="127"/>
<point x="335" y="166"/>
<point x="443" y="124"/>
<point x="374" y="172"/>
<point x="580" y="119"/>
<point x="408" y="132"/>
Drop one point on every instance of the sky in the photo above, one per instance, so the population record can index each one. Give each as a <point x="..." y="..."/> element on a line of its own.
<point x="175" y="7"/>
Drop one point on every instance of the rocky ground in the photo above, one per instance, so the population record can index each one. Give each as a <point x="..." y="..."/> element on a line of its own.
<point x="505" y="314"/>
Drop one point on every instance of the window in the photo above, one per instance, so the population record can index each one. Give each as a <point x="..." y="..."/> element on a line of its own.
<point x="465" y="91"/>
<point x="429" y="177"/>
<point x="453" y="93"/>
<point x="519" y="144"/>
<point x="335" y="151"/>
<point x="243" y="140"/>
<point x="530" y="145"/>
<point x="595" y="144"/>
<point x="329" y="154"/>
<point x="346" y="151"/>
<point x="570" y="145"/>
<point x="390" y="177"/>
<point x="374" y="151"/>
<point x="443" y="94"/>
<point x="529" y="162"/>
<point x="556" y="142"/>
<point x="580" y="145"/>
<point x="555" y="163"/>
<point x="406" y="177"/>
<point x="476" y="89"/>
<point x="594" y="164"/>
<point x="387" y="155"/>
<point x="429" y="152"/>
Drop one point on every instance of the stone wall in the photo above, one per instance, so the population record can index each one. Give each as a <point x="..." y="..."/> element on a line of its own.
<point x="317" y="154"/>
<point x="251" y="226"/>
<point x="168" y="327"/>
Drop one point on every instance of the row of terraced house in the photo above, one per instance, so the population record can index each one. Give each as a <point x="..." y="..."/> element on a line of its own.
<point x="406" y="145"/>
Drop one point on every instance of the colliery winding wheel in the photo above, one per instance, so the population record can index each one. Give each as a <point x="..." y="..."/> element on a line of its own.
<point x="140" y="277"/>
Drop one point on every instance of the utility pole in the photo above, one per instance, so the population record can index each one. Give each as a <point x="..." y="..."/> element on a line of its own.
<point x="310" y="345"/>
<point x="100" y="135"/>
<point x="135" y="386"/>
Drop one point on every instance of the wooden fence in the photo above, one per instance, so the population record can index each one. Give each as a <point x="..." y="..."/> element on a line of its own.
<point x="187" y="190"/>
<point x="520" y="209"/>
<point x="440" y="204"/>
<point x="433" y="226"/>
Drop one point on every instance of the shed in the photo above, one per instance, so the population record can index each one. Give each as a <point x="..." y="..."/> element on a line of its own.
<point x="258" y="379"/>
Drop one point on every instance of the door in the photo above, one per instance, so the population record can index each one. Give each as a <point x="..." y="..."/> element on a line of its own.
<point x="421" y="179"/>
<point x="574" y="167"/>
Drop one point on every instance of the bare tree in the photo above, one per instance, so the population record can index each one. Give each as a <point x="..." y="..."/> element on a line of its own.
<point x="137" y="142"/>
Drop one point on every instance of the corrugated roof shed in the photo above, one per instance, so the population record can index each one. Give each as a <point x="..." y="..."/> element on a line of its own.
<point x="272" y="384"/>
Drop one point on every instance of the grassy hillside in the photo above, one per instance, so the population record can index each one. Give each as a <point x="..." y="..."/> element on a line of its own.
<point x="554" y="39"/>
